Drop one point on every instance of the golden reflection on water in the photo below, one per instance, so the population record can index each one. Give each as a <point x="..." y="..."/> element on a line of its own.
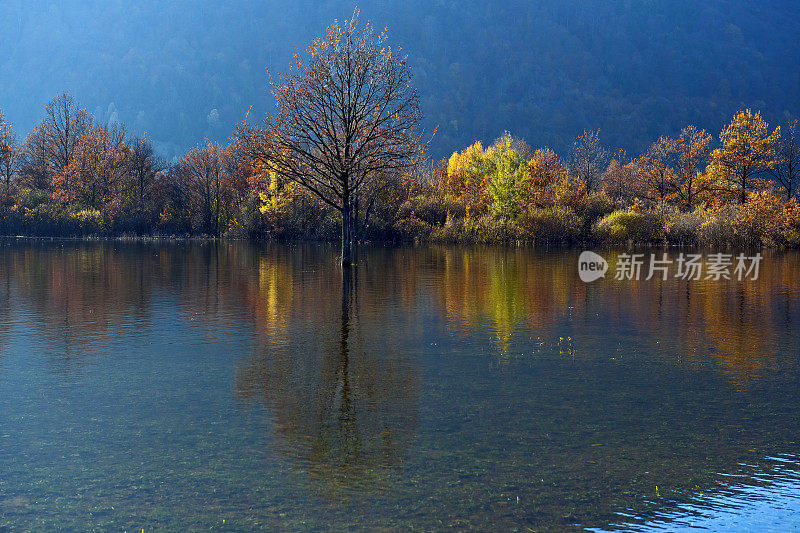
<point x="735" y="322"/>
<point x="87" y="291"/>
<point x="338" y="360"/>
<point x="342" y="395"/>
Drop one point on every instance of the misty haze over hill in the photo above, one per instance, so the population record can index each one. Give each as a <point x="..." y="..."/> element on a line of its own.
<point x="544" y="70"/>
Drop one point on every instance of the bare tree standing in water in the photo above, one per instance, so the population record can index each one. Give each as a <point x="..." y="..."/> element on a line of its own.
<point x="345" y="117"/>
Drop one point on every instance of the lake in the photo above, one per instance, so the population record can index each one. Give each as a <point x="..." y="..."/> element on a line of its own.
<point x="234" y="386"/>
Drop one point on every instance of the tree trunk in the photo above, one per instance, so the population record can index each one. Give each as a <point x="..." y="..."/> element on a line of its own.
<point x="347" y="258"/>
<point x="744" y="190"/>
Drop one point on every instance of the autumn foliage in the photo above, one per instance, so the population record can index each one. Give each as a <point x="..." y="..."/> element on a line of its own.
<point x="347" y="120"/>
<point x="341" y="159"/>
<point x="679" y="190"/>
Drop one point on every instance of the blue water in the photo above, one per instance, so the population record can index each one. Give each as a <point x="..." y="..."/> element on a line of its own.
<point x="191" y="386"/>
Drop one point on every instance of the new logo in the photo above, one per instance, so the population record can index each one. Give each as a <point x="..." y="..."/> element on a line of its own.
<point x="591" y="266"/>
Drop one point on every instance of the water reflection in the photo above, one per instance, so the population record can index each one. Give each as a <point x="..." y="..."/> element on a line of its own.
<point x="343" y="396"/>
<point x="738" y="324"/>
<point x="457" y="386"/>
<point x="78" y="296"/>
<point x="506" y="289"/>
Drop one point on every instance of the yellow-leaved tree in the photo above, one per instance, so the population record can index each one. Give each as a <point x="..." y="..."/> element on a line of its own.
<point x="747" y="151"/>
<point x="467" y="172"/>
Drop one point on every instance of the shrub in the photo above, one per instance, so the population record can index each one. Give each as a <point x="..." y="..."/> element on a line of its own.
<point x="329" y="228"/>
<point x="762" y="221"/>
<point x="550" y="225"/>
<point x="433" y="210"/>
<point x="765" y="220"/>
<point x="717" y="230"/>
<point x="598" y="205"/>
<point x="626" y="225"/>
<point x="50" y="220"/>
<point x="413" y="228"/>
<point x="684" y="228"/>
<point x="32" y="198"/>
<point x="486" y="229"/>
<point x="792" y="229"/>
<point x="492" y="229"/>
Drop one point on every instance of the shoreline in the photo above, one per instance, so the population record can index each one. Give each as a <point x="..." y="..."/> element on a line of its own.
<point x="580" y="245"/>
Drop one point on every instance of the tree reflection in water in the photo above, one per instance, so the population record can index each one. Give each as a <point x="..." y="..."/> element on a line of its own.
<point x="669" y="384"/>
<point x="342" y="396"/>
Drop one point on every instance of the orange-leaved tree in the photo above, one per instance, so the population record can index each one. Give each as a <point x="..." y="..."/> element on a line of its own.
<point x="95" y="173"/>
<point x="344" y="116"/>
<point x="545" y="172"/>
<point x="202" y="174"/>
<point x="654" y="171"/>
<point x="692" y="155"/>
<point x="747" y="151"/>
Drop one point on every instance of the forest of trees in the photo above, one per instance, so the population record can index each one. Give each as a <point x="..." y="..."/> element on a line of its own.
<point x="73" y="176"/>
<point x="342" y="157"/>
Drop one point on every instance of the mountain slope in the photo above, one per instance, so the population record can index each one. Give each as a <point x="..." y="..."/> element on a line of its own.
<point x="545" y="70"/>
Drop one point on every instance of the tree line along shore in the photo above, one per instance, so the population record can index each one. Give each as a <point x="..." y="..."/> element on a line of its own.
<point x="71" y="177"/>
<point x="343" y="158"/>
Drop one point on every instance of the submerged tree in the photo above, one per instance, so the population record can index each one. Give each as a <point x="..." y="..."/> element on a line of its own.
<point x="346" y="116"/>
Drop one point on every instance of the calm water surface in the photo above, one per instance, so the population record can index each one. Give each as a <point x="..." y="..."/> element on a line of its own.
<point x="241" y="387"/>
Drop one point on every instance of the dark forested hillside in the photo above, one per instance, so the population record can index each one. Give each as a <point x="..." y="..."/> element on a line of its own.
<point x="545" y="70"/>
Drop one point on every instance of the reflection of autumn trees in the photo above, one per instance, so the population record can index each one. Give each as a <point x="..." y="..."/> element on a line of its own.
<point x="736" y="323"/>
<point x="84" y="293"/>
<point x="80" y="293"/>
<point x="743" y="319"/>
<point x="334" y="364"/>
<point x="343" y="393"/>
<point x="509" y="289"/>
<point x="5" y="311"/>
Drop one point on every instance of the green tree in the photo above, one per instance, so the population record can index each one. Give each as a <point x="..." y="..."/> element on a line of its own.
<point x="509" y="178"/>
